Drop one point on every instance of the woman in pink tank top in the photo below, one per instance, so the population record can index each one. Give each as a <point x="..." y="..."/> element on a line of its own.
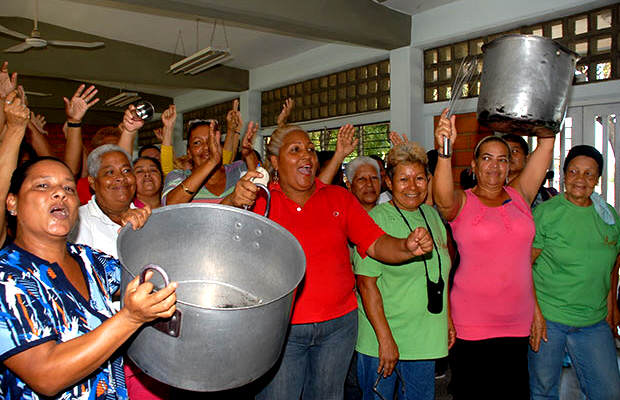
<point x="491" y="299"/>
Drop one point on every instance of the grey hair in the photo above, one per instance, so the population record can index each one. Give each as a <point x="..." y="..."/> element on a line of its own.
<point x="94" y="158"/>
<point x="353" y="165"/>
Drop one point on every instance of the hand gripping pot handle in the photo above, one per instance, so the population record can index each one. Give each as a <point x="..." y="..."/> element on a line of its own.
<point x="260" y="185"/>
<point x="170" y="326"/>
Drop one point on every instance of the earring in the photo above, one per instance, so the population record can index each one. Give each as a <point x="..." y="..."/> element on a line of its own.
<point x="276" y="177"/>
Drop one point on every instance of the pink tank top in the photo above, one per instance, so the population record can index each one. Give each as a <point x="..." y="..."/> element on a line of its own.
<point x="492" y="291"/>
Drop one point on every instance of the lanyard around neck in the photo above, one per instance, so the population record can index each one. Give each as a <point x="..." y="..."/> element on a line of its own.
<point x="430" y="231"/>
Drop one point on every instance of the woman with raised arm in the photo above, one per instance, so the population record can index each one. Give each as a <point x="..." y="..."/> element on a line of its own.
<point x="16" y="116"/>
<point x="209" y="181"/>
<point x="492" y="298"/>
<point x="323" y="218"/>
<point x="59" y="333"/>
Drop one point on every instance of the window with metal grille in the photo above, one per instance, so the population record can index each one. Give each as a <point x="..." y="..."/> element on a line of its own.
<point x="215" y="111"/>
<point x="356" y="90"/>
<point x="594" y="35"/>
<point x="373" y="140"/>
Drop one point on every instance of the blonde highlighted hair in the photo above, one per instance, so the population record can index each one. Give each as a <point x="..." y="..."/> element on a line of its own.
<point x="405" y="153"/>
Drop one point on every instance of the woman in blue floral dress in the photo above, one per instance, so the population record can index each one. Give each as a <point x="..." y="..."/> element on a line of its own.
<point x="59" y="333"/>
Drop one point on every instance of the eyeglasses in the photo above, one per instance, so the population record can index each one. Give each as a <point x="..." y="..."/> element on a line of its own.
<point x="380" y="375"/>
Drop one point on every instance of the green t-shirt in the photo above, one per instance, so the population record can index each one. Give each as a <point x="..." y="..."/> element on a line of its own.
<point x="419" y="334"/>
<point x="572" y="273"/>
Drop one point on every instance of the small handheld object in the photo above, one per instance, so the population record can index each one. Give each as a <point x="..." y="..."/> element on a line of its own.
<point x="144" y="110"/>
<point x="446" y="147"/>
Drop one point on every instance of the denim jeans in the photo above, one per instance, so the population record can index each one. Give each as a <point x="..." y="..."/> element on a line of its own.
<point x="593" y="355"/>
<point x="315" y="361"/>
<point x="416" y="380"/>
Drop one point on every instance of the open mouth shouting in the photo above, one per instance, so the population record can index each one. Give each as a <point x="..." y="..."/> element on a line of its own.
<point x="59" y="211"/>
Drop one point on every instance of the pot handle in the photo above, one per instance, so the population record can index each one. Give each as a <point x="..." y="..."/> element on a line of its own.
<point x="170" y="326"/>
<point x="260" y="185"/>
<point x="156" y="268"/>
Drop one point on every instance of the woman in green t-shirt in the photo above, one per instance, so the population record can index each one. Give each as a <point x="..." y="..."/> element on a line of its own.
<point x="575" y="277"/>
<point x="403" y="323"/>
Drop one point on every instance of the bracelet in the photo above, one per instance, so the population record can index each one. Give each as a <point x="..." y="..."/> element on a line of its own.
<point x="74" y="124"/>
<point x="444" y="155"/>
<point x="186" y="189"/>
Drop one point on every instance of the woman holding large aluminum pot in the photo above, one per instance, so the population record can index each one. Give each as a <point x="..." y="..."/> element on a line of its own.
<point x="492" y="298"/>
<point x="59" y="333"/>
<point x="576" y="276"/>
<point x="402" y="315"/>
<point x="323" y="218"/>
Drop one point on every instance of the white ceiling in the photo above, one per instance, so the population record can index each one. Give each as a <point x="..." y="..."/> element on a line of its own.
<point x="250" y="48"/>
<point x="413" y="6"/>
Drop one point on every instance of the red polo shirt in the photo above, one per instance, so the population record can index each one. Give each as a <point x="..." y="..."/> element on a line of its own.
<point x="323" y="226"/>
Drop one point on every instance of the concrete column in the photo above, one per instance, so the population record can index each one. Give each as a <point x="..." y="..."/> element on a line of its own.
<point x="418" y="134"/>
<point x="400" y="91"/>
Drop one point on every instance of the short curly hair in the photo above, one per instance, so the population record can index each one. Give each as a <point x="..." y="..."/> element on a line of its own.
<point x="405" y="153"/>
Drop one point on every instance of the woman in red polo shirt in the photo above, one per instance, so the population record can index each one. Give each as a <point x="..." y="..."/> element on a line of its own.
<point x="323" y="218"/>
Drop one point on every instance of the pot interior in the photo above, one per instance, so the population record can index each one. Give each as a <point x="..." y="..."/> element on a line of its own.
<point x="221" y="257"/>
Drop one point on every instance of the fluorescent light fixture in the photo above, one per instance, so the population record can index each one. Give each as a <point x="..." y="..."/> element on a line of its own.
<point x="200" y="61"/>
<point x="122" y="99"/>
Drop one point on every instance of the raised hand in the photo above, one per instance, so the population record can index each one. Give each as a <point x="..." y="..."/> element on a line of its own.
<point x="17" y="114"/>
<point x="445" y="128"/>
<point x="347" y="142"/>
<point x="397" y="140"/>
<point x="159" y="134"/>
<point x="287" y="107"/>
<point x="38" y="122"/>
<point x="131" y="122"/>
<point x="247" y="145"/>
<point x="80" y="102"/>
<point x="214" y="145"/>
<point x="169" y="116"/>
<point x="8" y="83"/>
<point x="233" y="118"/>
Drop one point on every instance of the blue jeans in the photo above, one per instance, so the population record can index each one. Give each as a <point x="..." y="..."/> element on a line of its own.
<point x="592" y="352"/>
<point x="315" y="361"/>
<point x="418" y="379"/>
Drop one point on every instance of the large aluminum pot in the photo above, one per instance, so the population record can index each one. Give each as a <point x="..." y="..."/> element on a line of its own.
<point x="237" y="273"/>
<point x="524" y="85"/>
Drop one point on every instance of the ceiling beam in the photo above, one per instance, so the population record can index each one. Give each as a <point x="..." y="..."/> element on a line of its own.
<point x="358" y="22"/>
<point x="117" y="61"/>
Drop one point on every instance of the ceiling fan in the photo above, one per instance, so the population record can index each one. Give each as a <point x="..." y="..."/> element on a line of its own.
<point x="36" y="41"/>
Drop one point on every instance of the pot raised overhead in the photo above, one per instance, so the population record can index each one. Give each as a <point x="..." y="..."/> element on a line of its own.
<point x="524" y="84"/>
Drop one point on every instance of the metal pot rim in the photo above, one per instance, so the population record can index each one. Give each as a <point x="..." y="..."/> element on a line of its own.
<point x="128" y="228"/>
<point x="513" y="36"/>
